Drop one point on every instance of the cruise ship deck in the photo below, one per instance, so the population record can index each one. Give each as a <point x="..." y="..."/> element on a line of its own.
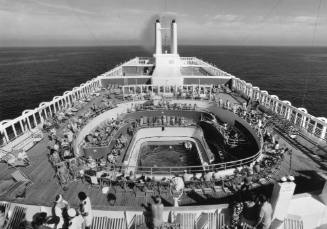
<point x="165" y="92"/>
<point x="45" y="186"/>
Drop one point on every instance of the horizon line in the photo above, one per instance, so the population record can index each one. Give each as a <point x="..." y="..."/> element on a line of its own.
<point x="142" y="46"/>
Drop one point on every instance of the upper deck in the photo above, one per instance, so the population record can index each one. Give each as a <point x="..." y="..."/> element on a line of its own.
<point x="194" y="83"/>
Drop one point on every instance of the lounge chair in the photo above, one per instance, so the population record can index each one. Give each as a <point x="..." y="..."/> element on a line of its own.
<point x="25" y="182"/>
<point x="73" y="167"/>
<point x="17" y="217"/>
<point x="93" y="181"/>
<point x="7" y="207"/>
<point x="62" y="173"/>
<point x="12" y="161"/>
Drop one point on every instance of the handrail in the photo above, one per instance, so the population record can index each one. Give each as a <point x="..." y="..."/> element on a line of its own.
<point x="285" y="109"/>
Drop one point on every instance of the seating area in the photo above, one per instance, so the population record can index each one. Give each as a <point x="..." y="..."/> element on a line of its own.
<point x="14" y="155"/>
<point x="100" y="165"/>
<point x="97" y="163"/>
<point x="101" y="135"/>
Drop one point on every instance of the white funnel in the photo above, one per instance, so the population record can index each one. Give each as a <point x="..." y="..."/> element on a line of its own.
<point x="158" y="38"/>
<point x="173" y="45"/>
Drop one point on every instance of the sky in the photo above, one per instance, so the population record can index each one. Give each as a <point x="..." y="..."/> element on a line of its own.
<point x="131" y="22"/>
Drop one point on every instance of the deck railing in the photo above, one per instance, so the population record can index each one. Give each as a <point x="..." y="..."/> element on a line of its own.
<point x="30" y="119"/>
<point x="151" y="170"/>
<point x="314" y="127"/>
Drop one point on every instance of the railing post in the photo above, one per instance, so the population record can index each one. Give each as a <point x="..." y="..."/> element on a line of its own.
<point x="6" y="135"/>
<point x="13" y="127"/>
<point x="323" y="132"/>
<point x="21" y="126"/>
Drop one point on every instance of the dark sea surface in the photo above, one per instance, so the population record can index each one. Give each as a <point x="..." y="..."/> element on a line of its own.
<point x="29" y="76"/>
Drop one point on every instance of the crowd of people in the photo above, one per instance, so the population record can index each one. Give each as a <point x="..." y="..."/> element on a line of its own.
<point x="63" y="216"/>
<point x="252" y="209"/>
<point x="103" y="135"/>
<point x="242" y="180"/>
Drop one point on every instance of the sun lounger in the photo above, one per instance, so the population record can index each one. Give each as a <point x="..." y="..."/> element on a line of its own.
<point x="13" y="161"/>
<point x="18" y="215"/>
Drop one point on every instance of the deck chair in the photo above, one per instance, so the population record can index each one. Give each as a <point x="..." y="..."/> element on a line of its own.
<point x="7" y="207"/>
<point x="16" y="218"/>
<point x="20" y="176"/>
<point x="105" y="182"/>
<point x="13" y="162"/>
<point x="23" y="184"/>
<point x="207" y="187"/>
<point x="73" y="167"/>
<point x="100" y="223"/>
<point x="164" y="188"/>
<point x="62" y="173"/>
<point x="185" y="220"/>
<point x="139" y="190"/>
<point x="150" y="188"/>
<point x="92" y="180"/>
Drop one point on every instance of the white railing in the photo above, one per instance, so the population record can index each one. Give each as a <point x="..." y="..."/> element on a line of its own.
<point x="314" y="126"/>
<point x="30" y="119"/>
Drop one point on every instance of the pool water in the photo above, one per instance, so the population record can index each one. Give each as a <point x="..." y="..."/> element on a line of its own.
<point x="168" y="154"/>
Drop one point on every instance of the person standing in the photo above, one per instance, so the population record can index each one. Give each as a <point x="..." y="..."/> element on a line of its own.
<point x="60" y="207"/>
<point x="265" y="216"/>
<point x="85" y="209"/>
<point x="157" y="213"/>
<point x="75" y="221"/>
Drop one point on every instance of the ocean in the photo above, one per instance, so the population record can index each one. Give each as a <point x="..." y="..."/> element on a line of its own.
<point x="29" y="76"/>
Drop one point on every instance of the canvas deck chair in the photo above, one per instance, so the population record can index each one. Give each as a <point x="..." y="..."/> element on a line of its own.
<point x="100" y="223"/>
<point x="18" y="175"/>
<point x="63" y="174"/>
<point x="7" y="207"/>
<point x="12" y="161"/>
<point x="18" y="215"/>
<point x="185" y="220"/>
<point x="23" y="184"/>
